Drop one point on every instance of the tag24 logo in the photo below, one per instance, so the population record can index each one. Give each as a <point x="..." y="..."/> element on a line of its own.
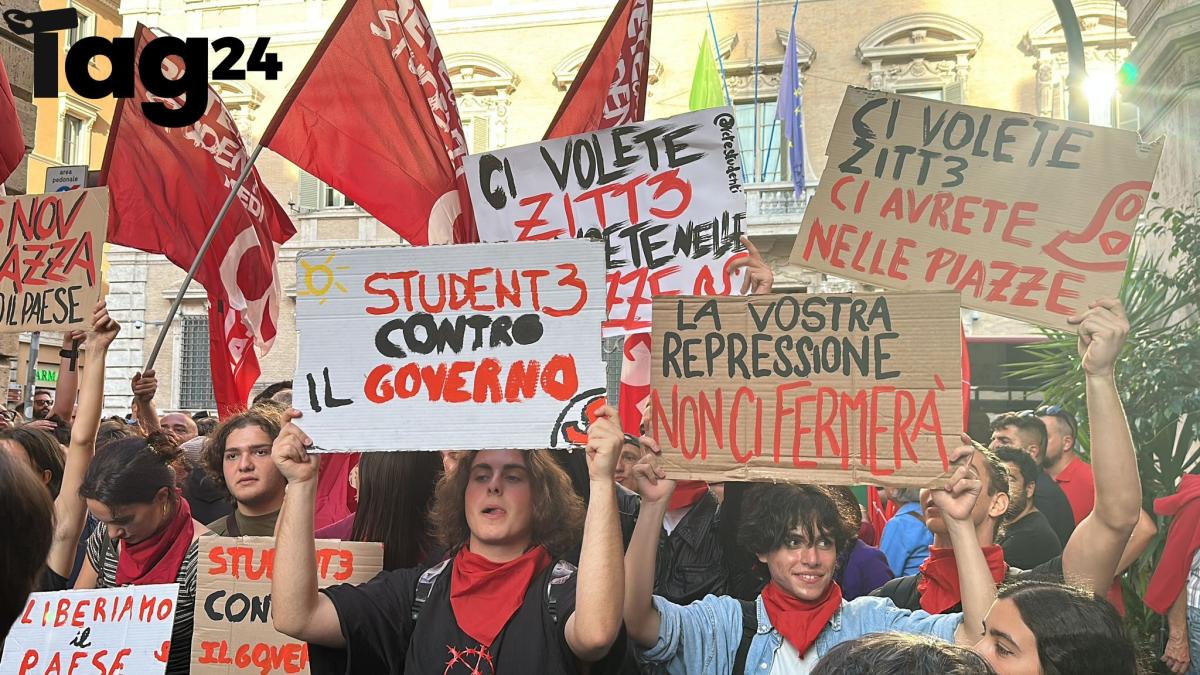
<point x="158" y="74"/>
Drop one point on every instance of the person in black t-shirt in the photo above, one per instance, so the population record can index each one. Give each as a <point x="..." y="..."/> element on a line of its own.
<point x="1027" y="539"/>
<point x="500" y="604"/>
<point x="1028" y="432"/>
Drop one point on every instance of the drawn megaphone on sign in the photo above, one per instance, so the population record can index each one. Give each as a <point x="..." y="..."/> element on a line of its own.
<point x="1110" y="227"/>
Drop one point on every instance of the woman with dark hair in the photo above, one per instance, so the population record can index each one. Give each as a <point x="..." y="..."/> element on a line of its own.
<point x="146" y="534"/>
<point x="44" y="454"/>
<point x="1052" y="629"/>
<point x="861" y="568"/>
<point x="25" y="530"/>
<point x="395" y="494"/>
<point x="501" y="604"/>
<point x="901" y="654"/>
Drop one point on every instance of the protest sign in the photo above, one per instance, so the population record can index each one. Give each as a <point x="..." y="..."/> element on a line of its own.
<point x="49" y="271"/>
<point x="449" y="347"/>
<point x="665" y="196"/>
<point x="1026" y="217"/>
<point x="833" y="389"/>
<point x="93" y="632"/>
<point x="233" y="631"/>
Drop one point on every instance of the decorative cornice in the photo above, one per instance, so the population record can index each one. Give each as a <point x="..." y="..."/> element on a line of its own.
<point x="1047" y="33"/>
<point x="965" y="38"/>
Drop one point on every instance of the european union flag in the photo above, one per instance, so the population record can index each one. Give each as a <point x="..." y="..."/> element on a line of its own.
<point x="790" y="111"/>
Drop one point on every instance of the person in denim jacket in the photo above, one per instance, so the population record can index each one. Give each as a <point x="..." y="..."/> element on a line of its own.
<point x="797" y="532"/>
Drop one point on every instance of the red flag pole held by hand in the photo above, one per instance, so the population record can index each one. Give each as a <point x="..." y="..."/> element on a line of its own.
<point x="212" y="233"/>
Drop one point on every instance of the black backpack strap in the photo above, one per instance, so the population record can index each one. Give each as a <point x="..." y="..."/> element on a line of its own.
<point x="749" y="629"/>
<point x="425" y="586"/>
<point x="562" y="572"/>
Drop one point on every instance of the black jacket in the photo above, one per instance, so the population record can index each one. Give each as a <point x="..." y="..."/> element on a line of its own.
<point x="691" y="563"/>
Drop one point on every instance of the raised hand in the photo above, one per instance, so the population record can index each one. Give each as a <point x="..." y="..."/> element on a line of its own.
<point x="604" y="444"/>
<point x="1102" y="332"/>
<point x="290" y="452"/>
<point x="957" y="499"/>
<point x="652" y="482"/>
<point x="145" y="385"/>
<point x="104" y="328"/>
<point x="759" y="278"/>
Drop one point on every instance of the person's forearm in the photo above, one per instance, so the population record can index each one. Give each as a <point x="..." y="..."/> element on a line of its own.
<point x="68" y="382"/>
<point x="294" y="581"/>
<point x="1114" y="464"/>
<point x="147" y="416"/>
<point x="600" y="588"/>
<point x="641" y="618"/>
<point x="976" y="586"/>
<point x="1177" y="615"/>
<point x="1139" y="541"/>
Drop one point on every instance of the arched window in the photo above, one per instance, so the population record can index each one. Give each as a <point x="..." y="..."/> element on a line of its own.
<point x="921" y="54"/>
<point x="483" y="87"/>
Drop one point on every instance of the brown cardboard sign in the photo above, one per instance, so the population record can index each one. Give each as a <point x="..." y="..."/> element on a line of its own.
<point x="1027" y="217"/>
<point x="50" y="259"/>
<point x="833" y="389"/>
<point x="233" y="631"/>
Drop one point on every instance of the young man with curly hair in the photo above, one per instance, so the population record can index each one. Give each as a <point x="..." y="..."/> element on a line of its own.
<point x="503" y="602"/>
<point x="238" y="459"/>
<point x="796" y="531"/>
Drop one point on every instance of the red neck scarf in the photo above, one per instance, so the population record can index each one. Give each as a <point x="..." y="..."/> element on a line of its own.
<point x="938" y="583"/>
<point x="687" y="493"/>
<point x="800" y="622"/>
<point x="485" y="594"/>
<point x="157" y="559"/>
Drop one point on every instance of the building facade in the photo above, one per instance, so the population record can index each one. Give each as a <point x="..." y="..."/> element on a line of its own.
<point x="511" y="62"/>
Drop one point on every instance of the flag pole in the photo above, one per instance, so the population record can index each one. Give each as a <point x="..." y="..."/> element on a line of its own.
<point x="721" y="64"/>
<point x="757" y="4"/>
<point x="774" y="122"/>
<point x="212" y="233"/>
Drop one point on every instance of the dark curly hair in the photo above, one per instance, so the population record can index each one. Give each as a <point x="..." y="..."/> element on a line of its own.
<point x="901" y="653"/>
<point x="266" y="418"/>
<point x="1077" y="632"/>
<point x="131" y="471"/>
<point x="558" y="510"/>
<point x="774" y="511"/>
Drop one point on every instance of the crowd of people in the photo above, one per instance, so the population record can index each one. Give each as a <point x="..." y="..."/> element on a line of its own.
<point x="594" y="560"/>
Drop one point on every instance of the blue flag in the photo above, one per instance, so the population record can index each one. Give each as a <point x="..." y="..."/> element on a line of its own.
<point x="790" y="110"/>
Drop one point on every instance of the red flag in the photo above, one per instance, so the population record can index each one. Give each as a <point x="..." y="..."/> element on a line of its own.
<point x="166" y="187"/>
<point x="610" y="88"/>
<point x="12" y="140"/>
<point x="373" y="115"/>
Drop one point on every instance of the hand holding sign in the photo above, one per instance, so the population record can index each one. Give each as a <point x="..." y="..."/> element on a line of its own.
<point x="604" y="440"/>
<point x="104" y="328"/>
<point x="957" y="499"/>
<point x="759" y="278"/>
<point x="652" y="482"/>
<point x="1102" y="332"/>
<point x="290" y="452"/>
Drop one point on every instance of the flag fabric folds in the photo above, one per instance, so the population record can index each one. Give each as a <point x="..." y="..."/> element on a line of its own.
<point x="373" y="115"/>
<point x="12" y="140"/>
<point x="610" y="88"/>
<point x="167" y="186"/>
<point x="790" y="111"/>
<point x="707" y="91"/>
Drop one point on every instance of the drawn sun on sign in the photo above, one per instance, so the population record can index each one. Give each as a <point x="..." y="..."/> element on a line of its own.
<point x="324" y="272"/>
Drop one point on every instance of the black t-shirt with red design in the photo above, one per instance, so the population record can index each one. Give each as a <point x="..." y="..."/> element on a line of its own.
<point x="376" y="619"/>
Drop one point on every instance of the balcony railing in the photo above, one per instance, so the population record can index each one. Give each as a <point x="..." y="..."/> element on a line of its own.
<point x="772" y="208"/>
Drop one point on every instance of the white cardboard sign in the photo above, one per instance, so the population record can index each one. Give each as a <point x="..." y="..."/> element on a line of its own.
<point x="665" y="195"/>
<point x="90" y="632"/>
<point x="449" y="347"/>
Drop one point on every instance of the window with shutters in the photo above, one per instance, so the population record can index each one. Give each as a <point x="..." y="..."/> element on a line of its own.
<point x="72" y="139"/>
<point x="483" y="88"/>
<point x="315" y="194"/>
<point x="85" y="28"/>
<point x="923" y="54"/>
<point x="195" y="373"/>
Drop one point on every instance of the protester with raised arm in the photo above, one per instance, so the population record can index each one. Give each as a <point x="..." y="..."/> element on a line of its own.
<point x="797" y="532"/>
<point x="501" y="600"/>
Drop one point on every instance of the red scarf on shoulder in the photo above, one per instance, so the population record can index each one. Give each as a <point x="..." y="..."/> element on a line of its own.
<point x="687" y="493"/>
<point x="486" y="594"/>
<point x="938" y="583"/>
<point x="157" y="559"/>
<point x="800" y="622"/>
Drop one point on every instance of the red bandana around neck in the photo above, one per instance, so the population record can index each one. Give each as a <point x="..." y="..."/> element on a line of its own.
<point x="486" y="594"/>
<point x="687" y="493"/>
<point x="938" y="583"/>
<point x="800" y="622"/>
<point x="156" y="560"/>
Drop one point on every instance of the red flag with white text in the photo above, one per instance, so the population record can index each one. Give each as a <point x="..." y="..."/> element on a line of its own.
<point x="608" y="91"/>
<point x="610" y="87"/>
<point x="166" y="187"/>
<point x="12" y="140"/>
<point x="373" y="115"/>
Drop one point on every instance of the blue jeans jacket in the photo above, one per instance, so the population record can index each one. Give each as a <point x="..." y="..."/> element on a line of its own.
<point x="703" y="637"/>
